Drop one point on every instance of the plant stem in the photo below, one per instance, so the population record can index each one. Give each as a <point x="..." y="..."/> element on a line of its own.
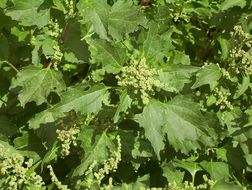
<point x="12" y="66"/>
<point x="2" y="100"/>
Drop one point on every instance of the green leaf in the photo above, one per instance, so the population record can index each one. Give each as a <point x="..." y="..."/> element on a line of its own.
<point x="152" y="121"/>
<point x="124" y="104"/>
<point x="180" y="119"/>
<point x="124" y="18"/>
<point x="175" y="77"/>
<point x="207" y="75"/>
<point x="225" y="185"/>
<point x="243" y="137"/>
<point x="95" y="12"/>
<point x="112" y="57"/>
<point x="191" y="167"/>
<point x="243" y="87"/>
<point x="77" y="99"/>
<point x="4" y="48"/>
<point x="73" y="43"/>
<point x="98" y="151"/>
<point x="51" y="154"/>
<point x="29" y="13"/>
<point x="7" y="127"/>
<point x="37" y="84"/>
<point x="217" y="170"/>
<point x="3" y="3"/>
<point x="172" y="174"/>
<point x="224" y="44"/>
<point x="227" y="4"/>
<point x="155" y="45"/>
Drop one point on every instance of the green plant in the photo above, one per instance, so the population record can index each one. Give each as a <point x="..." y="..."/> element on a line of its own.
<point x="125" y="94"/>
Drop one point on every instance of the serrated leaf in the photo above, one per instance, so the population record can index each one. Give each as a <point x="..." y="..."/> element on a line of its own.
<point x="37" y="84"/>
<point x="243" y="87"/>
<point x="180" y="119"/>
<point x="207" y="75"/>
<point x="217" y="170"/>
<point x="112" y="57"/>
<point x="172" y="174"/>
<point x="77" y="99"/>
<point x="175" y="77"/>
<point x="95" y="12"/>
<point x="29" y="13"/>
<point x="155" y="45"/>
<point x="152" y="121"/>
<point x="227" y="4"/>
<point x="124" y="18"/>
<point x="124" y="104"/>
<point x="99" y="151"/>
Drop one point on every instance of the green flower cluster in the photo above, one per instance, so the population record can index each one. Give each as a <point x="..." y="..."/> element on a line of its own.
<point x="15" y="171"/>
<point x="55" y="179"/>
<point x="67" y="138"/>
<point x="140" y="78"/>
<point x="222" y="99"/>
<point x="70" y="8"/>
<point x="242" y="51"/>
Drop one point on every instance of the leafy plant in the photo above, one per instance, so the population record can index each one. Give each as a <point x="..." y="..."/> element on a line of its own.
<point x="125" y="94"/>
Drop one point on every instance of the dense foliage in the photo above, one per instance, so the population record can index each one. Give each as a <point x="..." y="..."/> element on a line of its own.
<point x="125" y="94"/>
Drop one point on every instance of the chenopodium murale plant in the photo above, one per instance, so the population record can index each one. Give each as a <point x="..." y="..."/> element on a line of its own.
<point x="15" y="171"/>
<point x="139" y="78"/>
<point x="242" y="51"/>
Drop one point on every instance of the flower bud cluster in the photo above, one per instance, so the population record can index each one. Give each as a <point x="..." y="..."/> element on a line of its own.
<point x="225" y="73"/>
<point x="67" y="138"/>
<point x="55" y="32"/>
<point x="55" y="180"/>
<point x="140" y="78"/>
<point x="222" y="99"/>
<point x="15" y="171"/>
<point x="70" y="8"/>
<point x="242" y="52"/>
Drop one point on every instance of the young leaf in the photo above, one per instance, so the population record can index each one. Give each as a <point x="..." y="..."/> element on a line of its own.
<point x="243" y="87"/>
<point x="125" y="103"/>
<point x="112" y="57"/>
<point x="175" y="77"/>
<point x="124" y="18"/>
<point x="155" y="45"/>
<point x="37" y="84"/>
<point x="95" y="12"/>
<point x="207" y="75"/>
